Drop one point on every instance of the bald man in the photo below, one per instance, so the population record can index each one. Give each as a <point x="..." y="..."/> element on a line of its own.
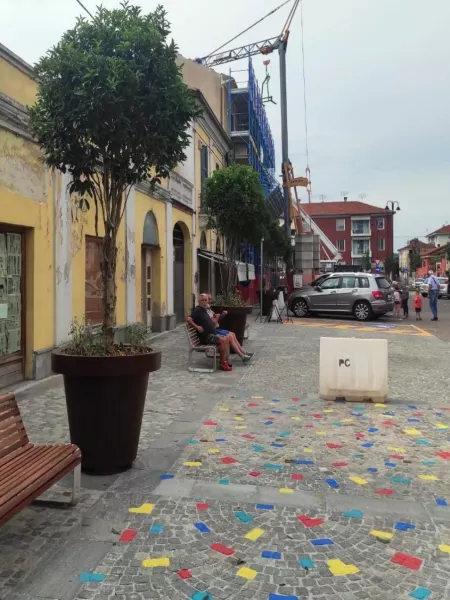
<point x="206" y="330"/>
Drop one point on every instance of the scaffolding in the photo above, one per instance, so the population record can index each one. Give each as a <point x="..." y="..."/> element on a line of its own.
<point x="249" y="127"/>
<point x="253" y="143"/>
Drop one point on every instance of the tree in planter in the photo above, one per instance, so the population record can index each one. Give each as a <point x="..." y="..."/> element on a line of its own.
<point x="392" y="266"/>
<point x="276" y="243"/>
<point x="236" y="208"/>
<point x="112" y="111"/>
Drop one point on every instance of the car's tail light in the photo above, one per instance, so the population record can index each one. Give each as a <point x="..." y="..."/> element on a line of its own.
<point x="378" y="295"/>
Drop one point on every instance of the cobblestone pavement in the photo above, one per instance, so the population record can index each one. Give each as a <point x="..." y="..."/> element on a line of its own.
<point x="248" y="486"/>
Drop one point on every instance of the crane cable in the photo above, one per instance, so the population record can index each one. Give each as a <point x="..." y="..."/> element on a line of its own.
<point x="308" y="170"/>
<point x="285" y="31"/>
<point x="248" y="28"/>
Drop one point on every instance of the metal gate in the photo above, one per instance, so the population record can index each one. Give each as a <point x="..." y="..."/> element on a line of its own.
<point x="12" y="303"/>
<point x="178" y="273"/>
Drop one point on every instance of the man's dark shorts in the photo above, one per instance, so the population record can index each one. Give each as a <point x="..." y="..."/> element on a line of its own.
<point x="212" y="340"/>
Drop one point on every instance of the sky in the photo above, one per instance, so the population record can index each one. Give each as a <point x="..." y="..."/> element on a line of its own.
<point x="377" y="88"/>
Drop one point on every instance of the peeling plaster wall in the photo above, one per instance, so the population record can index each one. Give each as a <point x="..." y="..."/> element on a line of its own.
<point x="21" y="168"/>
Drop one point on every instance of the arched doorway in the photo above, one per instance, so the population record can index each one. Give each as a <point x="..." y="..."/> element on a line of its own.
<point x="151" y="266"/>
<point x="178" y="273"/>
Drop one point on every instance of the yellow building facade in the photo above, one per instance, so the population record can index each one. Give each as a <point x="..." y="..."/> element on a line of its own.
<point x="49" y="254"/>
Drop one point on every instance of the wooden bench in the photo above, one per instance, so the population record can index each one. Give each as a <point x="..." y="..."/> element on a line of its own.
<point x="195" y="345"/>
<point x="28" y="470"/>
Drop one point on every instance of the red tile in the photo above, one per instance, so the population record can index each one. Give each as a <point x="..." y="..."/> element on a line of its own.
<point x="252" y="404"/>
<point x="297" y="477"/>
<point x="308" y="522"/>
<point x="389" y="423"/>
<point x="360" y="436"/>
<point x="228" y="460"/>
<point x="249" y="436"/>
<point x="317" y="416"/>
<point x="397" y="456"/>
<point x="385" y="492"/>
<point x="222" y="549"/>
<point x="128" y="535"/>
<point x="212" y="423"/>
<point x="254" y="473"/>
<point x="309" y="426"/>
<point x="202" y="506"/>
<point x="334" y="446"/>
<point x="295" y="399"/>
<point x="339" y="464"/>
<point x="445" y="455"/>
<point x="184" y="574"/>
<point x="408" y="561"/>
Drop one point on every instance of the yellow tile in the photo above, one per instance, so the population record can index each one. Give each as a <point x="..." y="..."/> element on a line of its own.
<point x="337" y="567"/>
<point x="441" y="426"/>
<point x="358" y="480"/>
<point x="241" y="427"/>
<point x="395" y="449"/>
<point x="286" y="491"/>
<point x="247" y="573"/>
<point x="239" y="419"/>
<point x="213" y="451"/>
<point x="412" y="431"/>
<point x="384" y="535"/>
<point x="329" y="410"/>
<point x="257" y="397"/>
<point x="307" y="450"/>
<point x="224" y="409"/>
<point x="321" y="433"/>
<point x="192" y="463"/>
<point x="444" y="548"/>
<point x="144" y="509"/>
<point x="254" y="534"/>
<point x="347" y="420"/>
<point x="429" y="477"/>
<point x="296" y="418"/>
<point x="149" y="563"/>
<point x="380" y="405"/>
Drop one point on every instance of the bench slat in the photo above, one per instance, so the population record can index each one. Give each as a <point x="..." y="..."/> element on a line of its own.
<point x="28" y="496"/>
<point x="12" y="430"/>
<point x="40" y="463"/>
<point x="30" y="457"/>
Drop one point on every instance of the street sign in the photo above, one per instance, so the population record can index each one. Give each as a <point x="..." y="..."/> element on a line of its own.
<point x="297" y="182"/>
<point x="377" y="262"/>
<point x="377" y="270"/>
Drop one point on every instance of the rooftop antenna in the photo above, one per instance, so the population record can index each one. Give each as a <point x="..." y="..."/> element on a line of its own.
<point x="362" y="196"/>
<point x="322" y="197"/>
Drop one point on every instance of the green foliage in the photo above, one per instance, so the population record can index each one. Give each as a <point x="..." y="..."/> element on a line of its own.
<point x="276" y="243"/>
<point x="391" y="266"/>
<point x="415" y="260"/>
<point x="235" y="205"/>
<point x="89" y="340"/>
<point x="232" y="299"/>
<point x="112" y="110"/>
<point x="366" y="262"/>
<point x="137" y="334"/>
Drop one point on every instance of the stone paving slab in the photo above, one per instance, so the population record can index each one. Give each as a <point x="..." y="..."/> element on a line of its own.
<point x="331" y="527"/>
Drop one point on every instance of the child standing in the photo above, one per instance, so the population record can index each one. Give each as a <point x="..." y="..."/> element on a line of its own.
<point x="397" y="303"/>
<point x="418" y="305"/>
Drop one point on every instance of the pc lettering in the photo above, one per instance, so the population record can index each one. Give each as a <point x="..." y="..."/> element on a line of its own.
<point x="344" y="362"/>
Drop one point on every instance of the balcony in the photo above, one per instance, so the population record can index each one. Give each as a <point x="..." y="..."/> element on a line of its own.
<point x="361" y="232"/>
<point x="360" y="248"/>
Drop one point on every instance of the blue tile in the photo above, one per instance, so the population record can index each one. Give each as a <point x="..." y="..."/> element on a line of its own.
<point x="284" y="434"/>
<point x="268" y="423"/>
<point x="428" y="463"/>
<point x="265" y="506"/>
<point x="390" y="465"/>
<point x="273" y="467"/>
<point x="322" y="542"/>
<point x="414" y="420"/>
<point x="332" y="483"/>
<point x="412" y="406"/>
<point x="272" y="555"/>
<point x="275" y="445"/>
<point x="243" y="516"/>
<point x="92" y="577"/>
<point x="156" y="528"/>
<point x="304" y="462"/>
<point x="372" y="470"/>
<point x="276" y="400"/>
<point x="420" y="593"/>
<point x="257" y="448"/>
<point x="354" y="514"/>
<point x="372" y="430"/>
<point x="202" y="527"/>
<point x="280" y="597"/>
<point x="167" y="476"/>
<point x="423" y="442"/>
<point x="441" y="502"/>
<point x="193" y="441"/>
<point x="400" y="480"/>
<point x="201" y="596"/>
<point x="306" y="563"/>
<point x="367" y="445"/>
<point x="224" y="481"/>
<point x="400" y="526"/>
<point x="221" y="440"/>
<point x="277" y="412"/>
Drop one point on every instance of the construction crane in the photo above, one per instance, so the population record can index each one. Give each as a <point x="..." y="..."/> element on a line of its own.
<point x="266" y="47"/>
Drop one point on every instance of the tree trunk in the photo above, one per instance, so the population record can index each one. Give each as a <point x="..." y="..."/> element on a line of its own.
<point x="109" y="262"/>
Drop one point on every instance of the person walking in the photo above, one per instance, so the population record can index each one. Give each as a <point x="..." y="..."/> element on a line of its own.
<point x="405" y="300"/>
<point x="433" y="292"/>
<point x="418" y="305"/>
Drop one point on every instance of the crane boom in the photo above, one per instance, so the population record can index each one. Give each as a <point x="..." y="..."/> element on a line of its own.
<point x="266" y="46"/>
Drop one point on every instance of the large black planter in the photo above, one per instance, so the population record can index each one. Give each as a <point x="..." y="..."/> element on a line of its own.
<point x="105" y="397"/>
<point x="236" y="319"/>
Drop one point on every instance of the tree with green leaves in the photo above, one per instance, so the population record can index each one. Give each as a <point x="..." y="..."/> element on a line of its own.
<point x="276" y="243"/>
<point x="366" y="262"/>
<point x="236" y="208"/>
<point x="415" y="260"/>
<point x="392" y="266"/>
<point x="112" y="111"/>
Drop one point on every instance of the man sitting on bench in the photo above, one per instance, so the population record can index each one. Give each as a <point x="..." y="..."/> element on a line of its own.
<point x="206" y="330"/>
<point x="235" y="345"/>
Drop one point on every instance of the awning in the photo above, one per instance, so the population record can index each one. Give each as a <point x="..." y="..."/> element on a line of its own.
<point x="246" y="271"/>
<point x="212" y="256"/>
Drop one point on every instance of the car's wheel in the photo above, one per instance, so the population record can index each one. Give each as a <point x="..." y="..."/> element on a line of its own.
<point x="300" y="308"/>
<point x="362" y="311"/>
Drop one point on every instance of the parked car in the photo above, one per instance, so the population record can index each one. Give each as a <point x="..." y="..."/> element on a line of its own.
<point x="443" y="285"/>
<point x="363" y="295"/>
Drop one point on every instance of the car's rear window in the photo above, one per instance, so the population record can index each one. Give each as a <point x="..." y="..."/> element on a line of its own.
<point x="363" y="282"/>
<point x="383" y="283"/>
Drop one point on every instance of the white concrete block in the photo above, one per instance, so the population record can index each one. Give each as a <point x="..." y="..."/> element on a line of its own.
<point x="354" y="369"/>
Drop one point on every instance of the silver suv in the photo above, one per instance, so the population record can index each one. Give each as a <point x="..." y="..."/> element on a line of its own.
<point x="364" y="295"/>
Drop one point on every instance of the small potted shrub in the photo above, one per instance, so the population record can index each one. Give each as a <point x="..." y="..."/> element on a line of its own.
<point x="112" y="111"/>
